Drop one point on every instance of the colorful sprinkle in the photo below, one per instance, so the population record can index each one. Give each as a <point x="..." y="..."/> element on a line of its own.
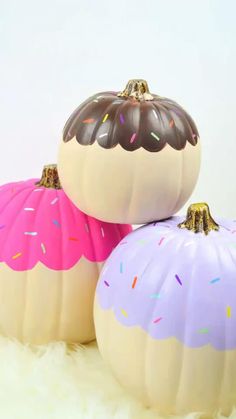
<point x="214" y="280"/>
<point x="121" y="267"/>
<point x="172" y="123"/>
<point x="43" y="248"/>
<point x="38" y="190"/>
<point x="105" y="117"/>
<point x="124" y="312"/>
<point x="56" y="223"/>
<point x="155" y="136"/>
<point x="54" y="200"/>
<point x="178" y="279"/>
<point x="155" y="114"/>
<point x="122" y="119"/>
<point x="30" y="233"/>
<point x="102" y="231"/>
<point x="103" y="135"/>
<point x="88" y="120"/>
<point x="133" y="137"/>
<point x="99" y="97"/>
<point x="29" y="209"/>
<point x="228" y="311"/>
<point x="155" y="296"/>
<point x="73" y="239"/>
<point x="106" y="283"/>
<point x="163" y="238"/>
<point x="203" y="330"/>
<point x="157" y="320"/>
<point x="17" y="255"/>
<point x="134" y="282"/>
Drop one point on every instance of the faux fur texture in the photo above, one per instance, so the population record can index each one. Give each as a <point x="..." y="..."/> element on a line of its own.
<point x="57" y="382"/>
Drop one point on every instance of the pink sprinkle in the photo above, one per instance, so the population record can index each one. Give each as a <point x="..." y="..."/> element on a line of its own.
<point x="178" y="279"/>
<point x="54" y="201"/>
<point x="106" y="283"/>
<point x="122" y="119"/>
<point x="157" y="320"/>
<point x="132" y="139"/>
<point x="163" y="238"/>
<point x="102" y="230"/>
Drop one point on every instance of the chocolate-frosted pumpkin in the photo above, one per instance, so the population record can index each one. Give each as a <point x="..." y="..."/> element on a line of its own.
<point x="129" y="157"/>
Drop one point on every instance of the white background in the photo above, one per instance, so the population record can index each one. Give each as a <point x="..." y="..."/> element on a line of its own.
<point x="54" y="54"/>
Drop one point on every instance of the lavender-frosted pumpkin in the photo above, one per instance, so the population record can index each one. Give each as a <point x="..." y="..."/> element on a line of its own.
<point x="165" y="313"/>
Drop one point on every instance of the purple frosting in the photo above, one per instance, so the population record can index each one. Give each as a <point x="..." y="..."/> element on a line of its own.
<point x="174" y="283"/>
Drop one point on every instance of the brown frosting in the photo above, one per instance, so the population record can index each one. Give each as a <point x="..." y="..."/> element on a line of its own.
<point x="133" y="118"/>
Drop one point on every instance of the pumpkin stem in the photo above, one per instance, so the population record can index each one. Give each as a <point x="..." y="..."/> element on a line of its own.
<point x="199" y="219"/>
<point x="50" y="178"/>
<point x="137" y="89"/>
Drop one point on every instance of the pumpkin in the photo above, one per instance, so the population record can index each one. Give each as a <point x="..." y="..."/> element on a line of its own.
<point x="165" y="315"/>
<point x="50" y="257"/>
<point x="129" y="157"/>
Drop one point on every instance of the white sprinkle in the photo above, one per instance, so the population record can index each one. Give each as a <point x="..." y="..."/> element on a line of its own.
<point x="188" y="243"/>
<point x="54" y="201"/>
<point x="103" y="234"/>
<point x="99" y="97"/>
<point x="43" y="248"/>
<point x="30" y="233"/>
<point x="29" y="209"/>
<point x="38" y="190"/>
<point x="154" y="113"/>
<point x="95" y="100"/>
<point x="102" y="135"/>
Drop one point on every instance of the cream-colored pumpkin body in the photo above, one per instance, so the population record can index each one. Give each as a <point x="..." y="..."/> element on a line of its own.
<point x="42" y="305"/>
<point x="166" y="374"/>
<point x="128" y="186"/>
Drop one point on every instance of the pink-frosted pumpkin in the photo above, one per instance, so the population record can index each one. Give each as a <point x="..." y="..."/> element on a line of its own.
<point x="50" y="258"/>
<point x="165" y="314"/>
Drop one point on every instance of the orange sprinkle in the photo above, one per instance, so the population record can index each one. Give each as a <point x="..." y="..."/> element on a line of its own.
<point x="17" y="255"/>
<point x="134" y="281"/>
<point x="88" y="121"/>
<point x="73" y="238"/>
<point x="171" y="123"/>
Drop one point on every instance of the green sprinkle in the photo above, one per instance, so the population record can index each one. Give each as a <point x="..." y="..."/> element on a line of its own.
<point x="204" y="330"/>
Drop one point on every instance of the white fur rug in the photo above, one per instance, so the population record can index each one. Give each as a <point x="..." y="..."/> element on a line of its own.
<point x="55" y="382"/>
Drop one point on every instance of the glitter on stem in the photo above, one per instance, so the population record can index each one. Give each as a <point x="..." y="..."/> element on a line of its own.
<point x="133" y="137"/>
<point x="30" y="233"/>
<point x="88" y="120"/>
<point x="124" y="312"/>
<point x="43" y="248"/>
<point x="155" y="136"/>
<point x="106" y="283"/>
<point x="17" y="255"/>
<point x="178" y="279"/>
<point x="122" y="119"/>
<point x="134" y="282"/>
<point x="105" y="117"/>
<point x="157" y="320"/>
<point x="54" y="200"/>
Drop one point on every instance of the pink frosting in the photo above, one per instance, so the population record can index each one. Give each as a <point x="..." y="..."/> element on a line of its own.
<point x="38" y="224"/>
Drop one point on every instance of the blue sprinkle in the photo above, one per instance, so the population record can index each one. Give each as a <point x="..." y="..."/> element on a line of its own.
<point x="155" y="296"/>
<point x="214" y="280"/>
<point x="56" y="223"/>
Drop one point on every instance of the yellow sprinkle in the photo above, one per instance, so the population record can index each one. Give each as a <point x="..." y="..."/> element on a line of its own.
<point x="124" y="312"/>
<point x="17" y="255"/>
<point x="105" y="117"/>
<point x="228" y="311"/>
<point x="43" y="248"/>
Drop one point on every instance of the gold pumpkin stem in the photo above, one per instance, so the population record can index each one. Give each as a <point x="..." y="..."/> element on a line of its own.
<point x="199" y="219"/>
<point x="137" y="89"/>
<point x="50" y="178"/>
